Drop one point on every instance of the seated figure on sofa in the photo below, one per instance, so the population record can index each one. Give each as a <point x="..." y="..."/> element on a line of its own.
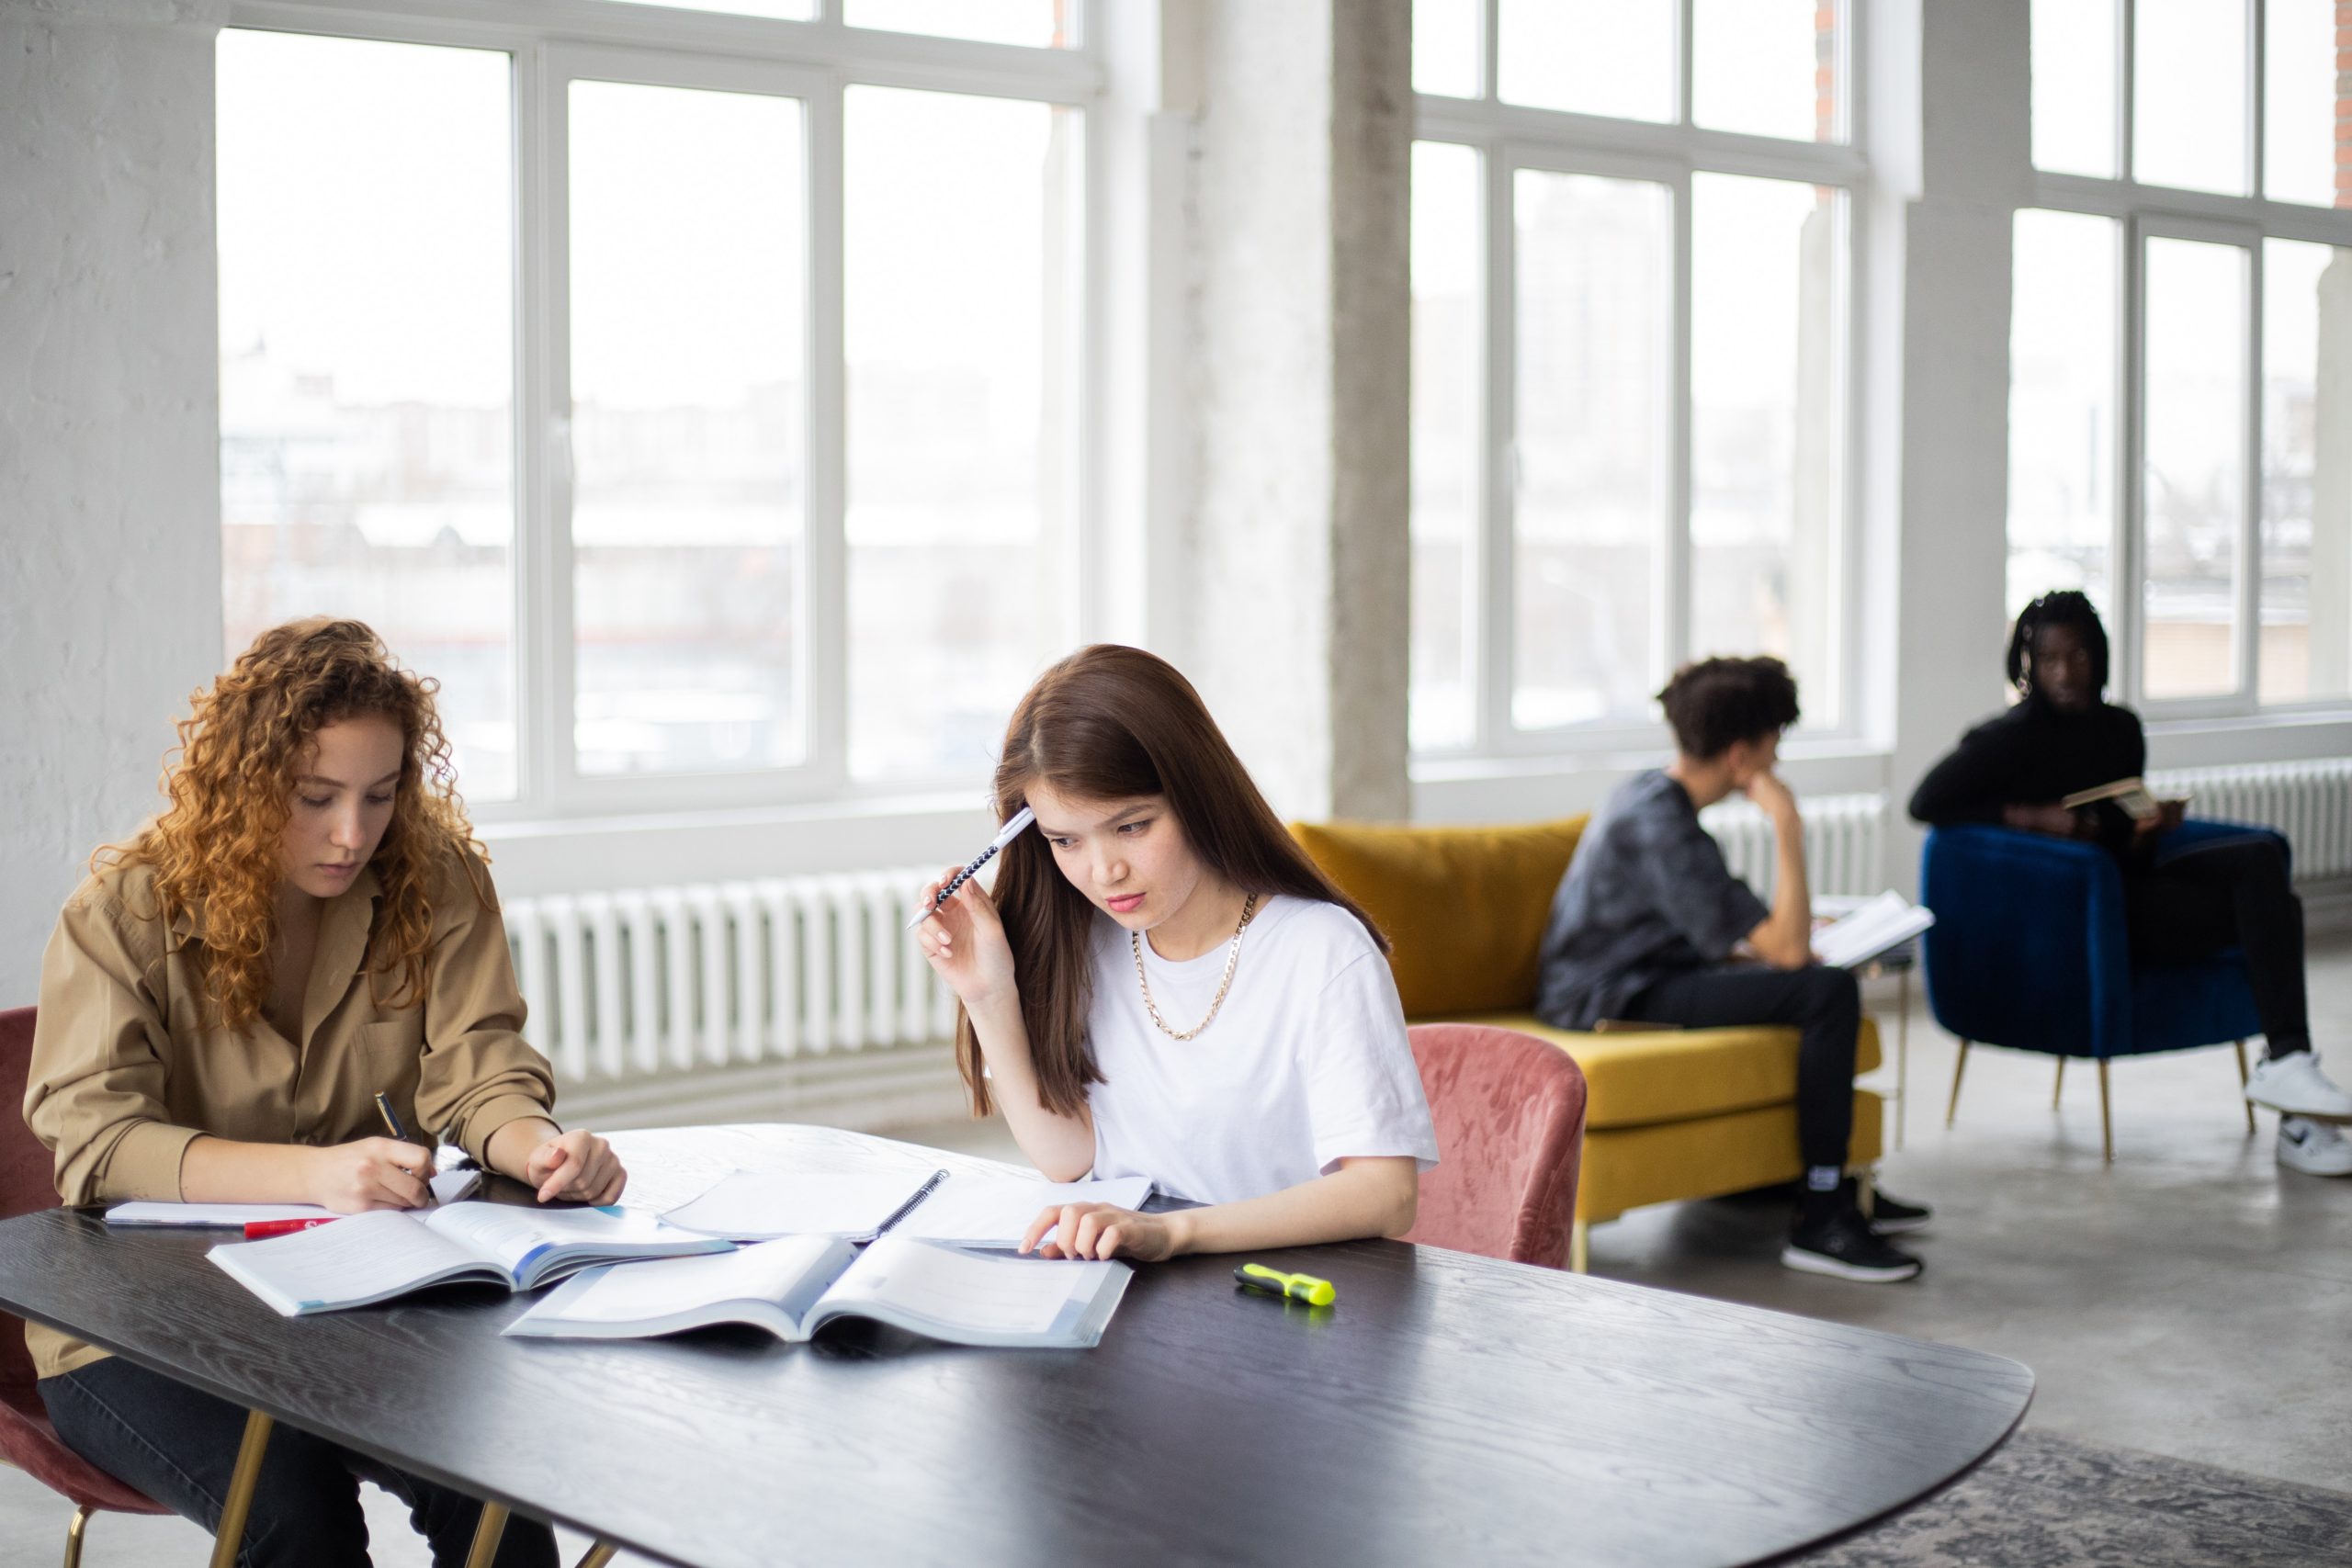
<point x="1650" y="925"/>
<point x="2062" y="738"/>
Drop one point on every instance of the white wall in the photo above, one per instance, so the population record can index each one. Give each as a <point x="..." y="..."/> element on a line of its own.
<point x="109" y="494"/>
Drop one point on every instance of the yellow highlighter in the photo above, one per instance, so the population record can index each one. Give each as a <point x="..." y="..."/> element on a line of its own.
<point x="1275" y="1282"/>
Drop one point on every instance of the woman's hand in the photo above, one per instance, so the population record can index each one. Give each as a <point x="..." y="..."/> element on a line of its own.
<point x="577" y="1164"/>
<point x="964" y="941"/>
<point x="2053" y="819"/>
<point x="372" y="1173"/>
<point x="1098" y="1230"/>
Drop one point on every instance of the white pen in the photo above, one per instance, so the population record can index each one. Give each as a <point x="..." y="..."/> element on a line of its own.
<point x="1005" y="835"/>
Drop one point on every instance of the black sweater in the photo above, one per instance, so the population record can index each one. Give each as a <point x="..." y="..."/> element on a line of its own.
<point x="2035" y="755"/>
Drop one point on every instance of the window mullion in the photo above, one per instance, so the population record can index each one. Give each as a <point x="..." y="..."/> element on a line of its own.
<point x="542" y="576"/>
<point x="2249" y="551"/>
<point x="1497" y="546"/>
<point x="826" y="575"/>
<point x="1673" y="617"/>
<point x="2130" y="593"/>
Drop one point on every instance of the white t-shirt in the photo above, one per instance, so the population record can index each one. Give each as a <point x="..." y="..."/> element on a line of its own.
<point x="1307" y="1063"/>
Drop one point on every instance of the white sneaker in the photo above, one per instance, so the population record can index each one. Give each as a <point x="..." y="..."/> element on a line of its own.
<point x="2293" y="1086"/>
<point x="2313" y="1148"/>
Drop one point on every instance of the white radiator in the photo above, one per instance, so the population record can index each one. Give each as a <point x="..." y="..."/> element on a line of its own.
<point x="1845" y="842"/>
<point x="2309" y="802"/>
<point x="644" y="982"/>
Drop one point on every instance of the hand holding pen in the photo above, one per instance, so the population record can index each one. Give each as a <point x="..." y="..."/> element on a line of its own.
<point x="938" y="893"/>
<point x="963" y="938"/>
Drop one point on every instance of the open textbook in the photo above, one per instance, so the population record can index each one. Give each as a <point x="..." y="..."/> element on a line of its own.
<point x="965" y="1211"/>
<point x="2137" y="801"/>
<point x="388" y="1252"/>
<point x="1869" y="929"/>
<point x="794" y="1286"/>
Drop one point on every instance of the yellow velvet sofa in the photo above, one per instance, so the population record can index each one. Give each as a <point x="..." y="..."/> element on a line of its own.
<point x="1670" y="1115"/>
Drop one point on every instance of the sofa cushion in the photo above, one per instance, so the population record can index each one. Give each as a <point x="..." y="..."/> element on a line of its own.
<point x="1636" y="1079"/>
<point x="1465" y="907"/>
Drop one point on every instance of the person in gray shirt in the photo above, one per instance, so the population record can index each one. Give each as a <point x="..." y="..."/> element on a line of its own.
<point x="1650" y="926"/>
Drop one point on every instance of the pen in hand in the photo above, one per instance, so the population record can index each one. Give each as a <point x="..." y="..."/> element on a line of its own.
<point x="392" y="1123"/>
<point x="1005" y="835"/>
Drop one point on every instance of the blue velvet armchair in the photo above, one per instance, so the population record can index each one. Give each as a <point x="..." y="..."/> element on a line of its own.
<point x="2029" y="951"/>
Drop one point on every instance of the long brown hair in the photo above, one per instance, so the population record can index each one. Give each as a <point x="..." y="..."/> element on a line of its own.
<point x="215" y="848"/>
<point x="1111" y="723"/>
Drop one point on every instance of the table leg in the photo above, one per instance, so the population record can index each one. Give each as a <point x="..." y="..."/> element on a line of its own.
<point x="1579" y="1250"/>
<point x="231" y="1536"/>
<point x="598" y="1555"/>
<point x="486" y="1535"/>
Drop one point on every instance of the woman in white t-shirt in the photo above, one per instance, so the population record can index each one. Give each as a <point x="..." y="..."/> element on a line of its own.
<point x="1164" y="985"/>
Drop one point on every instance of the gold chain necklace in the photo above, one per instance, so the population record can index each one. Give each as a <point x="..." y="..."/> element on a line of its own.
<point x="1232" y="957"/>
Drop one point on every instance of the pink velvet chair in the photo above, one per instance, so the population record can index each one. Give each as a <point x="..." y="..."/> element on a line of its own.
<point x="1509" y="1113"/>
<point x="27" y="1440"/>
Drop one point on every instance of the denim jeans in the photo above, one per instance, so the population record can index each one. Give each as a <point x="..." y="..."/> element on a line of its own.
<point x="179" y="1447"/>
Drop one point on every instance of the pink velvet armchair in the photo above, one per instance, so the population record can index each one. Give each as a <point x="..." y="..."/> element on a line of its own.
<point x="1509" y="1113"/>
<point x="27" y="1440"/>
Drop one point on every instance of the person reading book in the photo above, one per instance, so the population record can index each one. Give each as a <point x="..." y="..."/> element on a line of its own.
<point x="2062" y="739"/>
<point x="307" y="923"/>
<point x="1649" y="925"/>
<point x="1163" y="984"/>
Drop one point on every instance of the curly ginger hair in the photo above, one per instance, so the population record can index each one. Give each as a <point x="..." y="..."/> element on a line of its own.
<point x="215" y="848"/>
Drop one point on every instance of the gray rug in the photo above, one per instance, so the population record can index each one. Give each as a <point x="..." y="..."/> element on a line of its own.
<point x="2042" y="1501"/>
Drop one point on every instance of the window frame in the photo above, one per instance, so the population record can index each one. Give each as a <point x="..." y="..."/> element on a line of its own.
<point x="2149" y="211"/>
<point x="1511" y="137"/>
<point x="815" y="61"/>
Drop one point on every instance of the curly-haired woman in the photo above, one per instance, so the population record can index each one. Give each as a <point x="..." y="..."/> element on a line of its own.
<point x="307" y="924"/>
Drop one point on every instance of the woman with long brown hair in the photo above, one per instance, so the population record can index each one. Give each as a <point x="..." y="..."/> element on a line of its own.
<point x="309" y="923"/>
<point x="1163" y="984"/>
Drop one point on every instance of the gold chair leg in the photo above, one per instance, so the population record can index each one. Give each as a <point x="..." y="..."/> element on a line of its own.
<point x="486" y="1535"/>
<point x="231" y="1536"/>
<point x="74" y="1529"/>
<point x="1960" y="1066"/>
<point x="1579" y="1247"/>
<point x="1902" y="1058"/>
<point x="2106" y="1127"/>
<point x="2058" y="1084"/>
<point x="2242" y="1079"/>
<point x="1866" y="1190"/>
<point x="598" y="1555"/>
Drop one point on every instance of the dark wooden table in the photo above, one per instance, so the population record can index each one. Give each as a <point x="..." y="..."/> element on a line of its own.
<point x="1447" y="1409"/>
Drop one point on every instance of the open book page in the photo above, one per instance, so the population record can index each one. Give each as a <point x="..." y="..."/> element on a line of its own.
<point x="365" y="1257"/>
<point x="771" y="1284"/>
<point x="2132" y="794"/>
<point x="754" y="1205"/>
<point x="528" y="1244"/>
<point x="960" y="1295"/>
<point x="1884" y="922"/>
<point x="996" y="1211"/>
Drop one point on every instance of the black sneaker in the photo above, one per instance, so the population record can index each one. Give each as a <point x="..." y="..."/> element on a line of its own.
<point x="1891" y="1216"/>
<point x="1844" y="1247"/>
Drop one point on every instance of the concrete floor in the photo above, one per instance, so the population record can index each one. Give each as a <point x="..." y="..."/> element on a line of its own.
<point x="2191" y="1299"/>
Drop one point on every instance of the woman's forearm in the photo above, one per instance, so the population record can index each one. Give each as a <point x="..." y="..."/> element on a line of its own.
<point x="1062" y="1147"/>
<point x="218" y="1170"/>
<point x="1367" y="1197"/>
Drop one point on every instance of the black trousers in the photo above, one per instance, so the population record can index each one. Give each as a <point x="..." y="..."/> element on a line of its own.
<point x="1825" y="1004"/>
<point x="2233" y="893"/>
<point x="179" y="1447"/>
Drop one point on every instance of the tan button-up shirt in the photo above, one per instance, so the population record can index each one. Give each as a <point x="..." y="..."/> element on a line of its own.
<point x="127" y="1070"/>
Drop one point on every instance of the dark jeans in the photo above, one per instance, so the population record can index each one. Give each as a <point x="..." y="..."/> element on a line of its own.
<point x="1826" y="1005"/>
<point x="180" y="1447"/>
<point x="2233" y="892"/>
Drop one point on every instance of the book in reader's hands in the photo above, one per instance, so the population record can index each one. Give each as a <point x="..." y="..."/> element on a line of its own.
<point x="365" y="1259"/>
<point x="2132" y="795"/>
<point x="1871" y="928"/>
<point x="794" y="1286"/>
<point x="966" y="1211"/>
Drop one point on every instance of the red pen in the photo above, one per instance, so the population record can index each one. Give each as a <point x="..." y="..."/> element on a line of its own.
<point x="259" y="1230"/>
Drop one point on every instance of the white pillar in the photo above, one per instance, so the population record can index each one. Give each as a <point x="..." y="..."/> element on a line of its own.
<point x="1296" y="566"/>
<point x="109" y="480"/>
<point x="1970" y="169"/>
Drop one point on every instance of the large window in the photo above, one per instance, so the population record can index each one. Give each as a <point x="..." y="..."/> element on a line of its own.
<point x="1632" y="236"/>
<point x="701" y="411"/>
<point x="2180" y="427"/>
